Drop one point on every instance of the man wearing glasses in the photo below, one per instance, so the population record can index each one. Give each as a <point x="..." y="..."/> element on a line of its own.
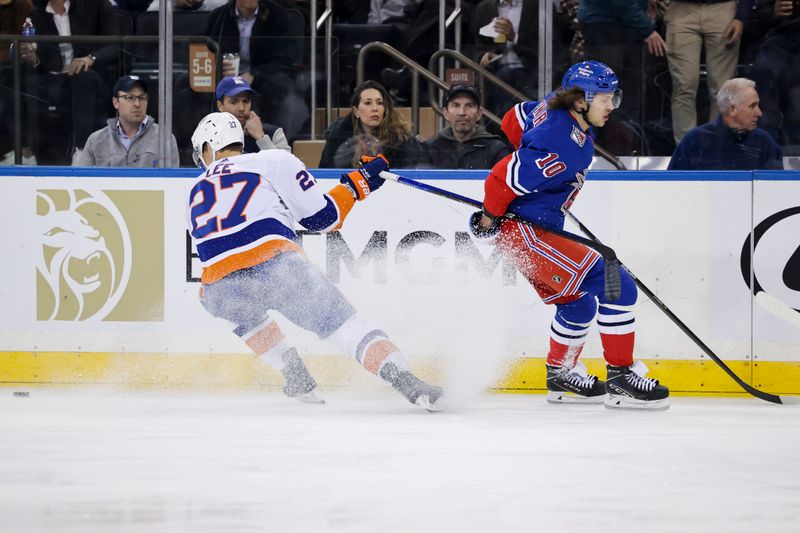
<point x="131" y="138"/>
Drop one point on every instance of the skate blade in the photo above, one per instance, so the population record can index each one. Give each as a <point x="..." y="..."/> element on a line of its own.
<point x="623" y="402"/>
<point x="424" y="401"/>
<point x="556" y="397"/>
<point x="308" y="397"/>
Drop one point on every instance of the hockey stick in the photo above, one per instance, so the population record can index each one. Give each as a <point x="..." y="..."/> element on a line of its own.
<point x="612" y="288"/>
<point x="678" y="322"/>
<point x="778" y="308"/>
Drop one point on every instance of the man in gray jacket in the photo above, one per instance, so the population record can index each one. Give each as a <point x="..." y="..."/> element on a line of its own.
<point x="131" y="138"/>
<point x="464" y="143"/>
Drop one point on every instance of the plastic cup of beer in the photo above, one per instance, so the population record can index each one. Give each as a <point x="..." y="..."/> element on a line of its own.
<point x="230" y="62"/>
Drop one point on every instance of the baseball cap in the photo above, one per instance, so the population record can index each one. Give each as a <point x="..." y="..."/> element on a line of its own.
<point x="126" y="83"/>
<point x="231" y="86"/>
<point x="460" y="88"/>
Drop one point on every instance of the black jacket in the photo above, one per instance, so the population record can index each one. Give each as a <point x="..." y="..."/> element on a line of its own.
<point x="267" y="56"/>
<point x="483" y="150"/>
<point x="86" y="17"/>
<point x="338" y="151"/>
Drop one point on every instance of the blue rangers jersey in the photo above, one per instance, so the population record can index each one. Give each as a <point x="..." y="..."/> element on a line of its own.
<point x="542" y="178"/>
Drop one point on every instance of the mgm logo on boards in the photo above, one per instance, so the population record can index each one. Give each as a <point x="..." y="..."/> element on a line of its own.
<point x="102" y="255"/>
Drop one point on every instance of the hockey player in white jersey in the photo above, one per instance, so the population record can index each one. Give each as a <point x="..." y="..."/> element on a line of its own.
<point x="242" y="212"/>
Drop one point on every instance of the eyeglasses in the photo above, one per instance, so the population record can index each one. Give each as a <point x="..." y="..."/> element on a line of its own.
<point x="130" y="98"/>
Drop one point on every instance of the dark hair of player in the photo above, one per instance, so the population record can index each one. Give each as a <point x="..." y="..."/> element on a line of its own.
<point x="565" y="98"/>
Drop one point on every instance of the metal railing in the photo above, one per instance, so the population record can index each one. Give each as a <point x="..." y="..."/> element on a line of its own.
<point x="317" y="23"/>
<point x="164" y="120"/>
<point x="485" y="76"/>
<point x="433" y="80"/>
<point x="417" y="70"/>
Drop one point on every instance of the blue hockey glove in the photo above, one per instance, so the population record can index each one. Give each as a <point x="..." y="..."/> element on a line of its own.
<point x="480" y="232"/>
<point x="366" y="179"/>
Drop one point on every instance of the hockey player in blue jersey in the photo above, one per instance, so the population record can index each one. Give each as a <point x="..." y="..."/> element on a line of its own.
<point x="539" y="182"/>
<point x="241" y="213"/>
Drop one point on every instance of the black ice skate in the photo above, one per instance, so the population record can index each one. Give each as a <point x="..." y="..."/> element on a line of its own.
<point x="414" y="389"/>
<point x="574" y="385"/>
<point x="299" y="383"/>
<point x="628" y="388"/>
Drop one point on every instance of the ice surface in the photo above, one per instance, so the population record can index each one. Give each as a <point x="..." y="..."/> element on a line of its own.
<point x="367" y="461"/>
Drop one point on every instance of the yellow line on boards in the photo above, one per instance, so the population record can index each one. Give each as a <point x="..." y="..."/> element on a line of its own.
<point x="241" y="371"/>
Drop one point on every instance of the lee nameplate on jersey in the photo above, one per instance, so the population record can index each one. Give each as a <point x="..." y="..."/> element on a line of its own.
<point x="578" y="136"/>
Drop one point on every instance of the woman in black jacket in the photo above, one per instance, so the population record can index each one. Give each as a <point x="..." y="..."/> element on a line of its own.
<point x="373" y="126"/>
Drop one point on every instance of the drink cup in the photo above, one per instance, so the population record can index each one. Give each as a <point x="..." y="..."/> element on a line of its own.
<point x="230" y="62"/>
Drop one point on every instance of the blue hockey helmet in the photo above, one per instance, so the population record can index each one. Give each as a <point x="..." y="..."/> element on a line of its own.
<point x="593" y="77"/>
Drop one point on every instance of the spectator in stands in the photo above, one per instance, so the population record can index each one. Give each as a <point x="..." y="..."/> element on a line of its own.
<point x="12" y="15"/>
<point x="506" y="38"/>
<point x="258" y="30"/>
<point x="733" y="141"/>
<point x="692" y="24"/>
<point x="465" y="143"/>
<point x="372" y="127"/>
<point x="616" y="32"/>
<point x="134" y="7"/>
<point x="777" y="74"/>
<point x="419" y="38"/>
<point x="79" y="68"/>
<point x="388" y="11"/>
<point x="186" y="5"/>
<point x="131" y="138"/>
<point x="234" y="95"/>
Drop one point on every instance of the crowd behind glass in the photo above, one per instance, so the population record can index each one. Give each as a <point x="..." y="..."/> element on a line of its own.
<point x="672" y="56"/>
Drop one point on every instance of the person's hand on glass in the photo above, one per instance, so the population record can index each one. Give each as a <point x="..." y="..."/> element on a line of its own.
<point x="80" y="64"/>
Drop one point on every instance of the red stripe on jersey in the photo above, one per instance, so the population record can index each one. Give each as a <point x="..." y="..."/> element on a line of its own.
<point x="512" y="125"/>
<point x="497" y="193"/>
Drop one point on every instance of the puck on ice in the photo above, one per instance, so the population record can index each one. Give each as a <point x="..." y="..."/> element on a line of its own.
<point x="22" y="393"/>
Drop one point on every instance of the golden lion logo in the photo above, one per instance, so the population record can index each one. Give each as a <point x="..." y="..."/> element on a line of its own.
<point x="86" y="256"/>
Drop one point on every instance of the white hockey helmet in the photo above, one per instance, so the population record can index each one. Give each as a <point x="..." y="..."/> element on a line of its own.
<point x="218" y="130"/>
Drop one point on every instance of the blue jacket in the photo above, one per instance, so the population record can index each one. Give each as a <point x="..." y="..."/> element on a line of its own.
<point x="715" y="146"/>
<point x="628" y="13"/>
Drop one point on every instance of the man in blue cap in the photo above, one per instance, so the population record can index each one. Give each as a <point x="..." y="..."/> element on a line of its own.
<point x="234" y="96"/>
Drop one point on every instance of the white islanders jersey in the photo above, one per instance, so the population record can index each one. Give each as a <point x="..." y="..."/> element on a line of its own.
<point x="243" y="210"/>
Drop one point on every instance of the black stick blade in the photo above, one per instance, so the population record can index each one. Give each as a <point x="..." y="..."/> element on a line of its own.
<point x="613" y="285"/>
